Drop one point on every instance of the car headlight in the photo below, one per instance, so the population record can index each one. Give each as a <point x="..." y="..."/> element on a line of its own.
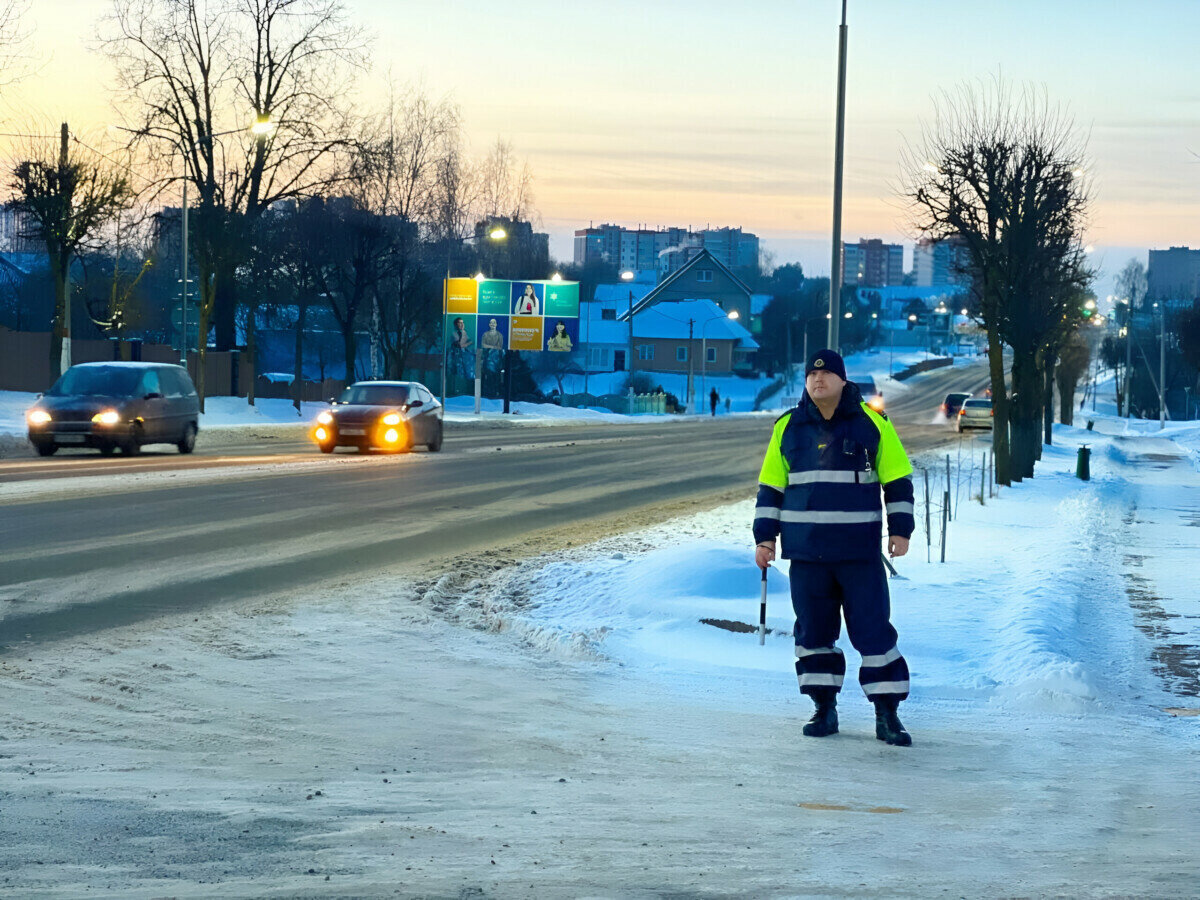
<point x="325" y="418"/>
<point x="37" y="417"/>
<point x="107" y="417"/>
<point x="391" y="436"/>
<point x="391" y="419"/>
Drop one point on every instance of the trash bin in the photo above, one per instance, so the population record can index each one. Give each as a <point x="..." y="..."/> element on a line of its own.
<point x="1082" y="470"/>
<point x="1091" y="424"/>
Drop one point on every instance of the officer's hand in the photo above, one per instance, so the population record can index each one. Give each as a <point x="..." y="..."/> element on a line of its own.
<point x="897" y="546"/>
<point x="763" y="554"/>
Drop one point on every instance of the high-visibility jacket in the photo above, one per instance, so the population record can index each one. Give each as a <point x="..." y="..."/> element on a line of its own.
<point x="819" y="488"/>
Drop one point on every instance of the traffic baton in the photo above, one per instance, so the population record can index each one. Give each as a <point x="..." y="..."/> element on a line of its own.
<point x="762" y="610"/>
<point x="891" y="568"/>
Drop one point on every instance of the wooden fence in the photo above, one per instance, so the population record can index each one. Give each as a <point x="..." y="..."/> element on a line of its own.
<point x="25" y="362"/>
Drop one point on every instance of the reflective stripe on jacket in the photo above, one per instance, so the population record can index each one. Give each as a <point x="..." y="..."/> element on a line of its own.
<point x="819" y="488"/>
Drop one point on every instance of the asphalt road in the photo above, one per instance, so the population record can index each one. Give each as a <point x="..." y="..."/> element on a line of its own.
<point x="88" y="543"/>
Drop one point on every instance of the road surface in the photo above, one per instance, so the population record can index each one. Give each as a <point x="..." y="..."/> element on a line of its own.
<point x="88" y="543"/>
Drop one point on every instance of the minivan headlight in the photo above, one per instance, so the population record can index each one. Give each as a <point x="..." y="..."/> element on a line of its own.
<point x="38" y="417"/>
<point x="325" y="418"/>
<point x="107" y="417"/>
<point x="391" y="419"/>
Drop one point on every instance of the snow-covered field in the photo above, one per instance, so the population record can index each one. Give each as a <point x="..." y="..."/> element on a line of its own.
<point x="565" y="726"/>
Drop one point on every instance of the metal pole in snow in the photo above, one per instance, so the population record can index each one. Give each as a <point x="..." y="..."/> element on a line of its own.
<point x="945" y="522"/>
<point x="928" y="528"/>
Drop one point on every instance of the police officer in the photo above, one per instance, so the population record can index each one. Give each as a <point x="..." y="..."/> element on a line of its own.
<point x="819" y="491"/>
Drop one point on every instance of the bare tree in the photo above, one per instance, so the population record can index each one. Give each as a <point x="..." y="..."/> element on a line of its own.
<point x="196" y="73"/>
<point x="505" y="184"/>
<point x="407" y="183"/>
<point x="69" y="195"/>
<point x="1006" y="175"/>
<point x="13" y="36"/>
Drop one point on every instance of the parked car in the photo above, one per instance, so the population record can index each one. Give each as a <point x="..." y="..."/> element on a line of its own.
<point x="974" y="414"/>
<point x="112" y="405"/>
<point x="870" y="393"/>
<point x="952" y="404"/>
<point x="388" y="415"/>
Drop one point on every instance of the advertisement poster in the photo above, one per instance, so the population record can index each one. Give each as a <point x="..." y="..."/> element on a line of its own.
<point x="526" y="333"/>
<point x="494" y="298"/>
<point x="459" y="341"/>
<point x="492" y="333"/>
<point x="461" y="295"/>
<point x="527" y="298"/>
<point x="561" y="335"/>
<point x="562" y="300"/>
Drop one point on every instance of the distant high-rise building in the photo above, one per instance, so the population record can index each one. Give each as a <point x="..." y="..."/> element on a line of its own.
<point x="664" y="250"/>
<point x="1173" y="274"/>
<point x="940" y="262"/>
<point x="872" y="263"/>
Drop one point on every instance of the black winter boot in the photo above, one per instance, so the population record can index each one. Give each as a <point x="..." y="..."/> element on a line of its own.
<point x="824" y="719"/>
<point x="887" y="724"/>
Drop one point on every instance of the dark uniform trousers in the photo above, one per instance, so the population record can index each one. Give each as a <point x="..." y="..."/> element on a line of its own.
<point x="822" y="592"/>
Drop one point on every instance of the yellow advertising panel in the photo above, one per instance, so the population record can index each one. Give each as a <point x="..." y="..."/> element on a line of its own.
<point x="526" y="333"/>
<point x="461" y="295"/>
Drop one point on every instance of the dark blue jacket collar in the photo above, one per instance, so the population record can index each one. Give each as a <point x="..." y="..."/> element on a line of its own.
<point x="849" y="405"/>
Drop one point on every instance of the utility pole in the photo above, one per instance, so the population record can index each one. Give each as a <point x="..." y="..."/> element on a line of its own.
<point x="691" y="353"/>
<point x="183" y="268"/>
<point x="1162" y="364"/>
<point x="1128" y="356"/>
<point x="835" y="268"/>
<point x="65" y="357"/>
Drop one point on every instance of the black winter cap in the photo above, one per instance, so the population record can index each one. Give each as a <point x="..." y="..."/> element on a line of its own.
<point x="826" y="361"/>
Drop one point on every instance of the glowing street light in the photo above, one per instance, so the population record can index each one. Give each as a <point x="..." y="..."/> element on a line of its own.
<point x="262" y="125"/>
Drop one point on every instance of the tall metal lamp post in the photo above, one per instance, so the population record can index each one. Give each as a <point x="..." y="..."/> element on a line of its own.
<point x="496" y="234"/>
<point x="733" y="314"/>
<point x="835" y="268"/>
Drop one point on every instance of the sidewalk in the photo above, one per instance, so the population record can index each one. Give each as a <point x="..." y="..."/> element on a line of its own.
<point x="1159" y="558"/>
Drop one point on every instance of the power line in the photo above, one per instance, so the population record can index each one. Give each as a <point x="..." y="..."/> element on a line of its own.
<point x="113" y="161"/>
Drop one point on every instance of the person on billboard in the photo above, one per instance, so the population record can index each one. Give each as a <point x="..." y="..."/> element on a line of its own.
<point x="462" y="361"/>
<point x="492" y="339"/>
<point x="527" y="303"/>
<point x="560" y="340"/>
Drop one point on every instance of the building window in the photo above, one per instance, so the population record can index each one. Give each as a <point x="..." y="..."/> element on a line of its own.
<point x="645" y="352"/>
<point x="712" y="354"/>
<point x="608" y="315"/>
<point x="681" y="354"/>
<point x="599" y="356"/>
<point x="704" y="274"/>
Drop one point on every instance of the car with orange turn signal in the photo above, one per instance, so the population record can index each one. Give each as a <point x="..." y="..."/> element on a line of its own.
<point x="393" y="416"/>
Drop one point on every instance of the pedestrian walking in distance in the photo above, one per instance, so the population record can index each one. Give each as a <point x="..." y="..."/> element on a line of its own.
<point x="819" y="493"/>
<point x="713" y="398"/>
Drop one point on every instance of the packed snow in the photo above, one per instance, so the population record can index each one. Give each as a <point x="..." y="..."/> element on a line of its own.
<point x="567" y="726"/>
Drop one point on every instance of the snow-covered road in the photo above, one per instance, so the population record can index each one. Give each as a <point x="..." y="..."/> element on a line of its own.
<point x="566" y="727"/>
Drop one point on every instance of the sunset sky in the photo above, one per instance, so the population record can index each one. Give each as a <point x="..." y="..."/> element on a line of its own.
<point x="717" y="113"/>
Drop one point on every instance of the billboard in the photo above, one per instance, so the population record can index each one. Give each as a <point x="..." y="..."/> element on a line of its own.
<point x="496" y="314"/>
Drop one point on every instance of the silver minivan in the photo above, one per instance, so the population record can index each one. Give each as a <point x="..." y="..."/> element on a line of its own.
<point x="116" y="405"/>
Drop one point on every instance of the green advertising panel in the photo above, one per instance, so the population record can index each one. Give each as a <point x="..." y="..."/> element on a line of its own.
<point x="562" y="298"/>
<point x="494" y="298"/>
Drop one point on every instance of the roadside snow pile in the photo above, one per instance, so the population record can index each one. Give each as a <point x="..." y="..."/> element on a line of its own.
<point x="226" y="412"/>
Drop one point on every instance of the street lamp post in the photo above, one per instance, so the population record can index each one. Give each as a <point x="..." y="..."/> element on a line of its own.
<point x="496" y="234"/>
<point x="628" y="277"/>
<point x="704" y="344"/>
<point x="835" y="269"/>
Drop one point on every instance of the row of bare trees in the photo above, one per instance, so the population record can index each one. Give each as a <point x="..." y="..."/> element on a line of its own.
<point x="1006" y="172"/>
<point x="318" y="203"/>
